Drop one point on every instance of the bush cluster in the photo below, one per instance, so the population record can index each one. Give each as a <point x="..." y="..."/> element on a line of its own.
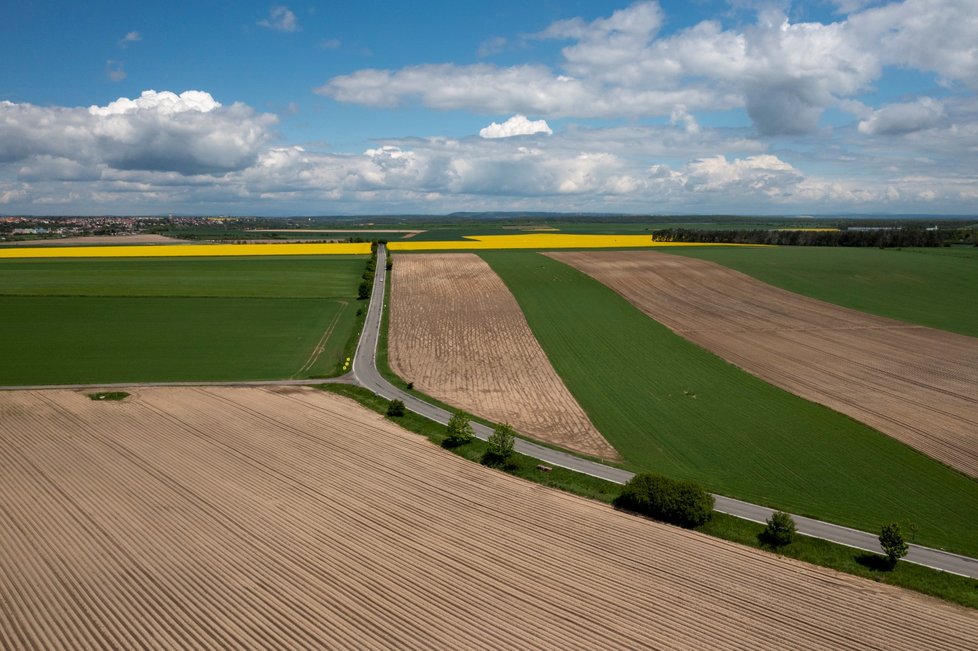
<point x="395" y="408"/>
<point x="677" y="502"/>
<point x="363" y="291"/>
<point x="460" y="431"/>
<point x="499" y="451"/>
<point x="780" y="530"/>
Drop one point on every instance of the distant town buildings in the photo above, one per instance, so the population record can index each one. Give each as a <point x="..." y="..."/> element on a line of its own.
<point x="25" y="227"/>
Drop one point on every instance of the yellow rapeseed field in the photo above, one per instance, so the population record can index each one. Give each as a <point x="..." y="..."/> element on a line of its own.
<point x="539" y="241"/>
<point x="187" y="250"/>
<point x="470" y="243"/>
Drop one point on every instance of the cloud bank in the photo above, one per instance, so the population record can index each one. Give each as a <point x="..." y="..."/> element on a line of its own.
<point x="187" y="134"/>
<point x="784" y="74"/>
<point x="187" y="152"/>
<point x="658" y="147"/>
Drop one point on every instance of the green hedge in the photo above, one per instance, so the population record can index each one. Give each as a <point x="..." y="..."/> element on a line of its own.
<point x="678" y="502"/>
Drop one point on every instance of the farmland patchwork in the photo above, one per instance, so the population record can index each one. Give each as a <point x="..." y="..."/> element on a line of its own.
<point x="916" y="384"/>
<point x="457" y="333"/>
<point x="671" y="407"/>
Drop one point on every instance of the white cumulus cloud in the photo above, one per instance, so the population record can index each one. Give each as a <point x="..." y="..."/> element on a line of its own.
<point x="765" y="174"/>
<point x="518" y="125"/>
<point x="166" y="103"/>
<point x="898" y="119"/>
<point x="189" y="133"/>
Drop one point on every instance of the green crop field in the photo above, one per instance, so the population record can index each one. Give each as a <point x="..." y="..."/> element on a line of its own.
<point x="669" y="406"/>
<point x="934" y="287"/>
<point x="165" y="319"/>
<point x="206" y="233"/>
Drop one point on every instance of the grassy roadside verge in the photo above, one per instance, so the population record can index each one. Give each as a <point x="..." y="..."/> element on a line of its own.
<point x="950" y="587"/>
<point x="524" y="466"/>
<point x="359" y="309"/>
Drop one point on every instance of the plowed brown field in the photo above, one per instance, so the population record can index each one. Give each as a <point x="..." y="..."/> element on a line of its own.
<point x="917" y="384"/>
<point x="138" y="238"/>
<point x="253" y="518"/>
<point x="457" y="332"/>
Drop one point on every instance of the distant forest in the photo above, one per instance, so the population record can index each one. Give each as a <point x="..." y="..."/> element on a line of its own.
<point x="882" y="238"/>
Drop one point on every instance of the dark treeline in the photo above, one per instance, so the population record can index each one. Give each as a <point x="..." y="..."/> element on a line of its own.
<point x="896" y="237"/>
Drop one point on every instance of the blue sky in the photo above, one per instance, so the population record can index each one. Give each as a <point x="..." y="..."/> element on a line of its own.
<point x="385" y="107"/>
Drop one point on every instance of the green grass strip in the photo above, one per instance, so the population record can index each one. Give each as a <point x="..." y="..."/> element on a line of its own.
<point x="672" y="408"/>
<point x="108" y="395"/>
<point x="523" y="466"/>
<point x="254" y="277"/>
<point x="951" y="587"/>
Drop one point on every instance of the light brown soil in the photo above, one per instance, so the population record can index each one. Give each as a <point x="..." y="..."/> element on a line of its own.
<point x="138" y="238"/>
<point x="253" y="518"/>
<point x="457" y="332"/>
<point x="916" y="384"/>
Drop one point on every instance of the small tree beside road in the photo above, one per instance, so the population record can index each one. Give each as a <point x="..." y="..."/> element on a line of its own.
<point x="460" y="431"/>
<point x="893" y="543"/>
<point x="780" y="530"/>
<point x="500" y="446"/>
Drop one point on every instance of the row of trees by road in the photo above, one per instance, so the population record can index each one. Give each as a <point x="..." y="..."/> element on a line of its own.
<point x="682" y="503"/>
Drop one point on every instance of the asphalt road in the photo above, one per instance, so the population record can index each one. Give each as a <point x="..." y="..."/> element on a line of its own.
<point x="365" y="374"/>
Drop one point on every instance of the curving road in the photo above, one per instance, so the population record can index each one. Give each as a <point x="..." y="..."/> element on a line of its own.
<point x="365" y="374"/>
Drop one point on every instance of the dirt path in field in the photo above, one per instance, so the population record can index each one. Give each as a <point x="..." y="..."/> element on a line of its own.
<point x="289" y="518"/>
<point x="320" y="346"/>
<point x="916" y="384"/>
<point x="457" y="332"/>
